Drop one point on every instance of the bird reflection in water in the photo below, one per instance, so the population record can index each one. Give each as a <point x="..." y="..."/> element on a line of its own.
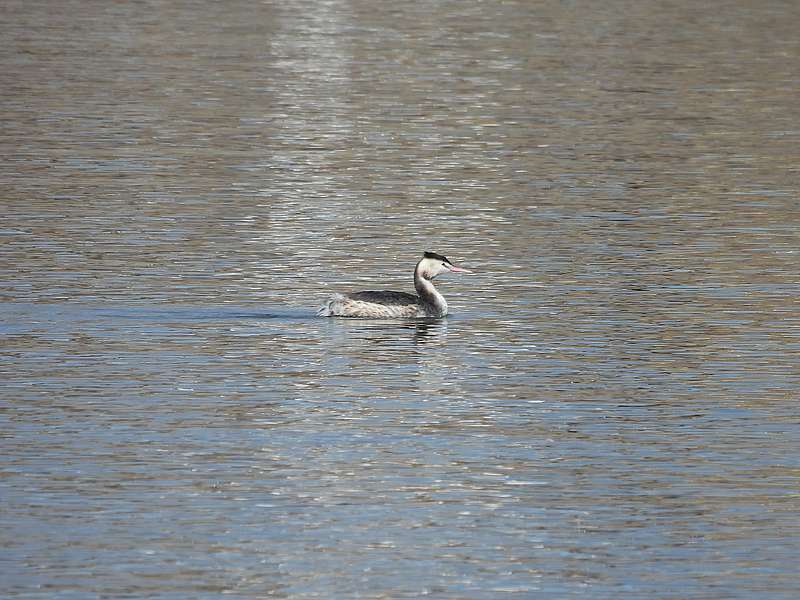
<point x="429" y="331"/>
<point x="392" y="333"/>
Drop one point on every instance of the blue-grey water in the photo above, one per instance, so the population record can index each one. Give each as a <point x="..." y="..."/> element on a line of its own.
<point x="611" y="409"/>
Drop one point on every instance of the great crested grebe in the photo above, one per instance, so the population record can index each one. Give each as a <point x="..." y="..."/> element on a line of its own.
<point x="389" y="305"/>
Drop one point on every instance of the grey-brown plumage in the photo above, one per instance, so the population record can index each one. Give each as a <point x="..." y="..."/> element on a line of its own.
<point x="386" y="304"/>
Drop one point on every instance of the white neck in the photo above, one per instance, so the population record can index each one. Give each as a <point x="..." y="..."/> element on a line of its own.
<point x="432" y="300"/>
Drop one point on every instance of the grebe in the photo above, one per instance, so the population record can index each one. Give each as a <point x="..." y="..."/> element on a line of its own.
<point x="388" y="305"/>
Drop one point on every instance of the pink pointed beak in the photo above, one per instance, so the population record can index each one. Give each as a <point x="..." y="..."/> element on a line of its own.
<point x="456" y="269"/>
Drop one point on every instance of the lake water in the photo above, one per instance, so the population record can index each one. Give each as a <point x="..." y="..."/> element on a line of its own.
<point x="610" y="410"/>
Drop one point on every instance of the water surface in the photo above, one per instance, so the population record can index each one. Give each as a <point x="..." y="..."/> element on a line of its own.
<point x="611" y="408"/>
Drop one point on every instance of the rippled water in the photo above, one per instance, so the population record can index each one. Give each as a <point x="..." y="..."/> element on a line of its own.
<point x="609" y="411"/>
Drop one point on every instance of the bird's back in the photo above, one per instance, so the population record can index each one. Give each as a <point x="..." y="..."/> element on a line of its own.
<point x="386" y="297"/>
<point x="382" y="304"/>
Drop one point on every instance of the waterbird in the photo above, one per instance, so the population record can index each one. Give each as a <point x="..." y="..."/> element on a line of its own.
<point x="385" y="304"/>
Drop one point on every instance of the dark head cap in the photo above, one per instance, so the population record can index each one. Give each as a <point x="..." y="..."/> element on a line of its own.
<point x="435" y="256"/>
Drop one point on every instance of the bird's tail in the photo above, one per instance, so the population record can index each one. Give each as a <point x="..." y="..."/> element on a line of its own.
<point x="329" y="309"/>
